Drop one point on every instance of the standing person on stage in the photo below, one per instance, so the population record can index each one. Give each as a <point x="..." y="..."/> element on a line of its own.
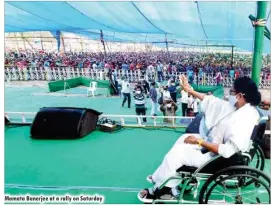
<point x="144" y="85"/>
<point x="173" y="91"/>
<point x="160" y="71"/>
<point x="125" y="90"/>
<point x="184" y="101"/>
<point x="153" y="96"/>
<point x="169" y="108"/>
<point x="190" y="102"/>
<point x="166" y="94"/>
<point x="140" y="102"/>
<point x="195" y="106"/>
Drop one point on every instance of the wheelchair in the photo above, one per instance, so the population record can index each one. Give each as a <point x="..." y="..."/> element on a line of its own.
<point x="233" y="180"/>
<point x="256" y="152"/>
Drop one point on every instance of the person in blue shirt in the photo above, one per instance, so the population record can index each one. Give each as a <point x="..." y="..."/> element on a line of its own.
<point x="231" y="73"/>
<point x="190" y="75"/>
<point x="125" y="66"/>
<point x="46" y="63"/>
<point x="80" y="65"/>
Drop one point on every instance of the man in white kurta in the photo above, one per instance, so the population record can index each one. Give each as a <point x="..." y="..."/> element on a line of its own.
<point x="232" y="130"/>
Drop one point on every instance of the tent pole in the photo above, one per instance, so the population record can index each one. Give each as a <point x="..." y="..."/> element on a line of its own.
<point x="41" y="42"/>
<point x="16" y="42"/>
<point x="81" y="42"/>
<point x="258" y="43"/>
<point x="24" y="42"/>
<point x="231" y="56"/>
<point x="63" y="43"/>
<point x="166" y="42"/>
<point x="25" y="39"/>
<point x="102" y="40"/>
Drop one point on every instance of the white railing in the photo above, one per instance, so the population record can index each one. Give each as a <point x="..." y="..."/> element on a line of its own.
<point x="53" y="74"/>
<point x="125" y="120"/>
<point x="21" y="117"/>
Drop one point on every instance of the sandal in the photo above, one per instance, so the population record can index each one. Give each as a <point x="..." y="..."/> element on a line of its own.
<point x="164" y="194"/>
<point x="147" y="198"/>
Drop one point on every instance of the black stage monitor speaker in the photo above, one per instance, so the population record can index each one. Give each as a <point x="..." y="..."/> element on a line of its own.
<point x="6" y="120"/>
<point x="64" y="123"/>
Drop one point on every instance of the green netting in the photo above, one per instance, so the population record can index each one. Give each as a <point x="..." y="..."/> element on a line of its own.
<point x="75" y="82"/>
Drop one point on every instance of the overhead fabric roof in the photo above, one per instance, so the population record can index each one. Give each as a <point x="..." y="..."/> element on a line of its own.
<point x="219" y="23"/>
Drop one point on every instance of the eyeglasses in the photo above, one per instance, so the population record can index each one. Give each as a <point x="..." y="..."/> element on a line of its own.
<point x="232" y="92"/>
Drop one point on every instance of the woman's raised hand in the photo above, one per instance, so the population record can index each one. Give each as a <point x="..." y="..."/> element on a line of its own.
<point x="184" y="83"/>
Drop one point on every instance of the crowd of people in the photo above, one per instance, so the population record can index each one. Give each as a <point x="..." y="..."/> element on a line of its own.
<point x="149" y="62"/>
<point x="167" y="98"/>
<point x="163" y="98"/>
<point x="166" y="101"/>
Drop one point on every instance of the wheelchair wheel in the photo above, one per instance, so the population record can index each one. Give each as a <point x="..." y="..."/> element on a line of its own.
<point x="258" y="160"/>
<point x="216" y="189"/>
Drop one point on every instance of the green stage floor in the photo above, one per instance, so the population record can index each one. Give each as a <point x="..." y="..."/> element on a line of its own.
<point x="31" y="99"/>
<point x="113" y="165"/>
<point x="110" y="161"/>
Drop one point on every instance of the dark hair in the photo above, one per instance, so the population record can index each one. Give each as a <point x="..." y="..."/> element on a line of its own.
<point x="138" y="87"/>
<point x="247" y="86"/>
<point x="153" y="84"/>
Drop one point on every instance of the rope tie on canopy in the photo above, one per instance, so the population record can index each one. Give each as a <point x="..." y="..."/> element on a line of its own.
<point x="259" y="22"/>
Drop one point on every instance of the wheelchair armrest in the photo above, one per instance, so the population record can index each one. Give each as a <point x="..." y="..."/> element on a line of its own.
<point x="185" y="168"/>
<point x="218" y="162"/>
<point x="247" y="155"/>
